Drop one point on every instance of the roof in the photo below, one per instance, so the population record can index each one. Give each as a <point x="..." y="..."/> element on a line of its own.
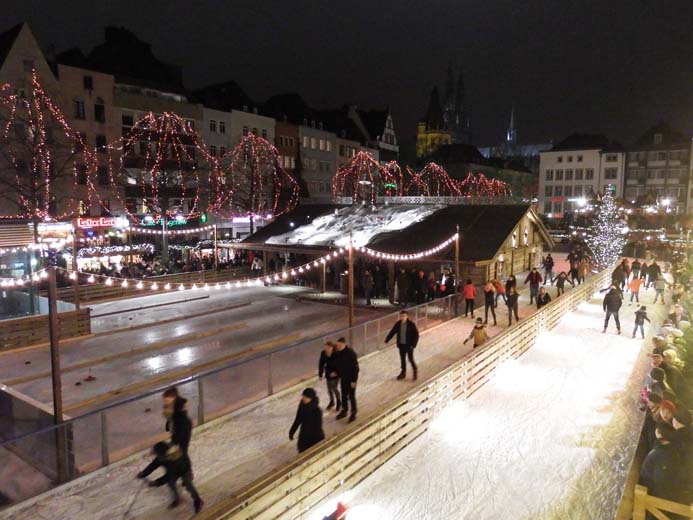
<point x="669" y="138"/>
<point x="374" y="121"/>
<point x="132" y="61"/>
<point x="339" y="122"/>
<point x="73" y="57"/>
<point x="458" y="153"/>
<point x="483" y="228"/>
<point x="7" y="40"/>
<point x="225" y="96"/>
<point x="577" y="141"/>
<point x="289" y="107"/>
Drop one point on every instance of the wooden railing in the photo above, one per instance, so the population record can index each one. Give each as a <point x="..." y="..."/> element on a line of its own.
<point x="645" y="503"/>
<point x="344" y="460"/>
<point x="89" y="293"/>
<point x="33" y="330"/>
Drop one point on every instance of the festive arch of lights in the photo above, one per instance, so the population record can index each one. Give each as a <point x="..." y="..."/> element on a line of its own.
<point x="253" y="181"/>
<point x="171" y="170"/>
<point x="432" y="181"/>
<point x="393" y="179"/>
<point x="40" y="152"/>
<point x="361" y="179"/>
<point x="480" y="186"/>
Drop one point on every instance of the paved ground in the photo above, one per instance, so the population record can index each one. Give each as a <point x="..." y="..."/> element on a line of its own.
<point x="240" y="447"/>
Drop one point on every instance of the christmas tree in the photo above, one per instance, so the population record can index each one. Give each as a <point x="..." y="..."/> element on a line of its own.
<point x="605" y="237"/>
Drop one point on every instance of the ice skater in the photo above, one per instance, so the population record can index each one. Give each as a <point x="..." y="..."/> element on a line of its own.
<point x="489" y="301"/>
<point x="469" y="292"/>
<point x="478" y="334"/>
<point x="640" y="317"/>
<point x="309" y="420"/>
<point x="560" y="281"/>
<point x="534" y="279"/>
<point x="328" y="368"/>
<point x="542" y="298"/>
<point x="407" y="339"/>
<point x="611" y="305"/>
<point x="177" y="466"/>
<point x="347" y="363"/>
<point x="511" y="302"/>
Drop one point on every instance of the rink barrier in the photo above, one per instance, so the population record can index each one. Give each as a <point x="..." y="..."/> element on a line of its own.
<point x="33" y="330"/>
<point x="644" y="503"/>
<point x="342" y="461"/>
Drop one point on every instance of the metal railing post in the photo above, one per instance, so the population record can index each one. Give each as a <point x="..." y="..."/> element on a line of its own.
<point x="105" y="459"/>
<point x="200" y="402"/>
<point x="270" y="387"/>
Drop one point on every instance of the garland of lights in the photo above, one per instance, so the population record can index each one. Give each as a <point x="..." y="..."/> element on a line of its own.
<point x="253" y="181"/>
<point x="604" y="237"/>
<point x="361" y="179"/>
<point x="111" y="250"/>
<point x="148" y="231"/>
<point x="481" y="186"/>
<point x="409" y="256"/>
<point x="434" y="181"/>
<point x="393" y="179"/>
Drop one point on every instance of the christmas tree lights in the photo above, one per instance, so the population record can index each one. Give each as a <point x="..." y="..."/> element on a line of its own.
<point x="604" y="237"/>
<point x="480" y="186"/>
<point x="432" y="181"/>
<point x="361" y="179"/>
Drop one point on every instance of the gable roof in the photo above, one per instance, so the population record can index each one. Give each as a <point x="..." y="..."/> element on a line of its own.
<point x="225" y="96"/>
<point x="669" y="138"/>
<point x="7" y="40"/>
<point x="374" y="121"/>
<point x="339" y="122"/>
<point x="288" y="107"/>
<point x="578" y="141"/>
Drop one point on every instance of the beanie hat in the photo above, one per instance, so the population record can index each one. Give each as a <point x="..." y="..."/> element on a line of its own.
<point x="668" y="405"/>
<point x="309" y="392"/>
<point x="654" y="397"/>
<point x="657" y="374"/>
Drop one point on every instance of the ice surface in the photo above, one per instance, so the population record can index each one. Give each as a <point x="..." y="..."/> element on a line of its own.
<point x="361" y="221"/>
<point x="550" y="437"/>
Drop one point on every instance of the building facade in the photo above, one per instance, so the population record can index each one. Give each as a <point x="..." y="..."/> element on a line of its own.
<point x="576" y="169"/>
<point x="658" y="169"/>
<point x="318" y="158"/>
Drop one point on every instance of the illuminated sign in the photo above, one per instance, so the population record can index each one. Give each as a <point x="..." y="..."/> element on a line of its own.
<point x="169" y="223"/>
<point x="86" y="223"/>
<point x="54" y="227"/>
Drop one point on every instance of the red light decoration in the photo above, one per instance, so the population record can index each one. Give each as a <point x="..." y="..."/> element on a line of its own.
<point x="480" y="186"/>
<point x="361" y="179"/>
<point x="393" y="179"/>
<point x="432" y="181"/>
<point x="253" y="182"/>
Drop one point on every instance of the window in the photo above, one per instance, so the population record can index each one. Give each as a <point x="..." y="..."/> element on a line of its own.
<point x="88" y="82"/>
<point x="213" y="151"/>
<point x="99" y="111"/>
<point x="313" y="143"/>
<point x="222" y="127"/>
<point x="568" y="191"/>
<point x="579" y="158"/>
<point x="328" y="146"/>
<point x="610" y="173"/>
<point x="547" y="207"/>
<point x="212" y="125"/>
<point x="559" y="175"/>
<point x="341" y="150"/>
<point x="558" y="207"/>
<point x="264" y="133"/>
<point x="100" y="143"/>
<point x="549" y="175"/>
<point x="254" y="131"/>
<point x="291" y="141"/>
<point x="78" y="111"/>
<point x="570" y="158"/>
<point x="127" y="120"/>
<point x="558" y="191"/>
<point x="578" y="174"/>
<point x="589" y="174"/>
<point x="548" y="191"/>
<point x="82" y="174"/>
<point x="661" y="156"/>
<point x="569" y="175"/>
<point x="102" y="175"/>
<point x="658" y="139"/>
<point x="306" y="141"/>
<point x="322" y="145"/>
<point x="611" y="157"/>
<point x="222" y="151"/>
<point x="245" y="131"/>
<point x="560" y="159"/>
<point x="577" y="191"/>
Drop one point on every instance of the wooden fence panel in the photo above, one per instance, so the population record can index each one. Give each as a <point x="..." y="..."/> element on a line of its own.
<point x="33" y="330"/>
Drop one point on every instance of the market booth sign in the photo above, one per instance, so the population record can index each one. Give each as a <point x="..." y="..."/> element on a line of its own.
<point x="102" y="222"/>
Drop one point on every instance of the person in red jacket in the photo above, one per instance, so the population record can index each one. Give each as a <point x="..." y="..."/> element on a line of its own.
<point x="534" y="279"/>
<point x="469" y="295"/>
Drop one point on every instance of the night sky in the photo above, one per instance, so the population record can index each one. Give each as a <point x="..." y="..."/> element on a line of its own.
<point x="611" y="66"/>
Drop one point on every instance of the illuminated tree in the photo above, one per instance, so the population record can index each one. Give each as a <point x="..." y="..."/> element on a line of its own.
<point x="481" y="186"/>
<point x="257" y="182"/>
<point x="393" y="179"/>
<point x="605" y="237"/>
<point x="432" y="181"/>
<point x="361" y="179"/>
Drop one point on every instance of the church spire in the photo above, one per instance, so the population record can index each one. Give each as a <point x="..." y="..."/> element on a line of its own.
<point x="511" y="135"/>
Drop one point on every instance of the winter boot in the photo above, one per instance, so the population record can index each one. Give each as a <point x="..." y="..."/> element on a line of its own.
<point x="416" y="374"/>
<point x="352" y="417"/>
<point x="342" y="414"/>
<point x="618" y="332"/>
<point x="174" y="504"/>
<point x="338" y="405"/>
<point x="402" y="375"/>
<point x="603" y="331"/>
<point x="197" y="504"/>
<point x="330" y="405"/>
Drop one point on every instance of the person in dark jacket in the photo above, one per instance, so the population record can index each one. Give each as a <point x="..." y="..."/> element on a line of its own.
<point x="177" y="421"/>
<point x="309" y="419"/>
<point x="368" y="285"/>
<point x="542" y="298"/>
<point x="534" y="279"/>
<point x="489" y="301"/>
<point x="510" y="282"/>
<point x="661" y="470"/>
<point x="380" y="279"/>
<point x="407" y="339"/>
<point x="560" y="281"/>
<point x="635" y="268"/>
<point x="611" y="305"/>
<point x="548" y="269"/>
<point x="402" y="287"/>
<point x="328" y="368"/>
<point x="511" y="302"/>
<point x="177" y="466"/>
<point x="653" y="272"/>
<point x="618" y="277"/>
<point x="347" y="364"/>
<point x="447" y="283"/>
<point x="640" y="318"/>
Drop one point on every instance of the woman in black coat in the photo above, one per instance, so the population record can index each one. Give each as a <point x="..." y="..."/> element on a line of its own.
<point x="309" y="418"/>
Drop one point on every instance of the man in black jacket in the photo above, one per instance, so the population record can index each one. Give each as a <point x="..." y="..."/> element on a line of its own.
<point x="661" y="470"/>
<point x="177" y="420"/>
<point x="611" y="305"/>
<point x="407" y="339"/>
<point x="347" y="364"/>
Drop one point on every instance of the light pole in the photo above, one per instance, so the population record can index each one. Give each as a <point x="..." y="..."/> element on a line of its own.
<point x="351" y="280"/>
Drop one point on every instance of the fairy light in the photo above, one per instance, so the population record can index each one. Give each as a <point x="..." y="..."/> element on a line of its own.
<point x="91" y="279"/>
<point x="154" y="286"/>
<point x="139" y="285"/>
<point x="124" y="284"/>
<point x="167" y="286"/>
<point x="109" y="281"/>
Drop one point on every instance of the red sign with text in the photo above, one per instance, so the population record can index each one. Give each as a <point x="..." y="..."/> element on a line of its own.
<point x="98" y="222"/>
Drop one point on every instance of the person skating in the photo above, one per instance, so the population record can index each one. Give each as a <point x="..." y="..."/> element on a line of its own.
<point x="447" y="283"/>
<point x="618" y="277"/>
<point x="478" y="334"/>
<point x="177" y="465"/>
<point x="542" y="298"/>
<point x="368" y="285"/>
<point x="534" y="279"/>
<point x="611" y="305"/>
<point x="659" y="285"/>
<point x="309" y="420"/>
<point x="634" y="288"/>
<point x="407" y="339"/>
<point x="640" y="317"/>
<point x="511" y="302"/>
<point x="548" y="269"/>
<point x="635" y="268"/>
<point x="328" y="368"/>
<point x="489" y="301"/>
<point x="500" y="290"/>
<point x="347" y="364"/>
<point x="560" y="281"/>
<point x="177" y="421"/>
<point x="469" y="292"/>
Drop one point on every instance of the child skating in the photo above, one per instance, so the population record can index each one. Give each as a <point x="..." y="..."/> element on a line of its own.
<point x="640" y="317"/>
